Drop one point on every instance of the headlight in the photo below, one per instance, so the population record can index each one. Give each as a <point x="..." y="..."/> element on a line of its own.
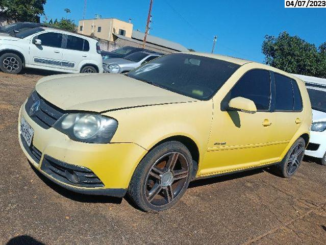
<point x="89" y="128"/>
<point x="318" y="126"/>
<point x="114" y="68"/>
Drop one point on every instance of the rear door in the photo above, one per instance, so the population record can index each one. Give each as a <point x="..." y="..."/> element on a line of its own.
<point x="287" y="106"/>
<point x="49" y="53"/>
<point x="76" y="50"/>
<point x="239" y="139"/>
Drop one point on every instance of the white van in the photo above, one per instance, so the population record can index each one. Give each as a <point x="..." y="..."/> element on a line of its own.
<point x="49" y="49"/>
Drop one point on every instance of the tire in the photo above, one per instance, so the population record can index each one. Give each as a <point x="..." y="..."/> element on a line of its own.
<point x="162" y="177"/>
<point x="323" y="160"/>
<point x="11" y="63"/>
<point x="88" y="69"/>
<point x="292" y="161"/>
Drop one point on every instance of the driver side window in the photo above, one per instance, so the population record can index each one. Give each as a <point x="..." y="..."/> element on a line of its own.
<point x="51" y="39"/>
<point x="256" y="86"/>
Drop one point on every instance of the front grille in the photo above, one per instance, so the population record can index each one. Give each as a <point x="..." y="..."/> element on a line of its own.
<point x="32" y="150"/>
<point x="70" y="174"/>
<point x="313" y="147"/>
<point x="44" y="114"/>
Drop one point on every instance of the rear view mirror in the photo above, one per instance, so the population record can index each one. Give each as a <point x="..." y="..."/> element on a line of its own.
<point x="37" y="41"/>
<point x="243" y="104"/>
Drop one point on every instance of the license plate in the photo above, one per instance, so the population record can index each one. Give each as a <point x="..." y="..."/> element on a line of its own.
<point x="27" y="131"/>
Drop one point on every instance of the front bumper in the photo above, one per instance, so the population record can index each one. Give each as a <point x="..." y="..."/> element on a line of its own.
<point x="317" y="147"/>
<point x="112" y="164"/>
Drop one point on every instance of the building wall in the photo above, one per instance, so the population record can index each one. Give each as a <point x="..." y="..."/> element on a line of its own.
<point x="107" y="26"/>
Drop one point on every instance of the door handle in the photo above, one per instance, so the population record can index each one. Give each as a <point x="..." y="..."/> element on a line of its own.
<point x="297" y="121"/>
<point x="84" y="56"/>
<point x="57" y="52"/>
<point x="266" y="123"/>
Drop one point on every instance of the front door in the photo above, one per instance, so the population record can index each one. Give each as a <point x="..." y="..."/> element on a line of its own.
<point x="241" y="140"/>
<point x="49" y="52"/>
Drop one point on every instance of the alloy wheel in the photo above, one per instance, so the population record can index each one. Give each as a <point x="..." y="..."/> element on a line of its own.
<point x="166" y="179"/>
<point x="11" y="64"/>
<point x="89" y="70"/>
<point x="295" y="158"/>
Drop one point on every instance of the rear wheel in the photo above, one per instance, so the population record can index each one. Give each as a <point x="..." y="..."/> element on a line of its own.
<point x="162" y="177"/>
<point x="88" y="69"/>
<point x="11" y="63"/>
<point x="292" y="161"/>
<point x="323" y="160"/>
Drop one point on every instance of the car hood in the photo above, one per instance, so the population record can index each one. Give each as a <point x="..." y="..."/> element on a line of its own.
<point x="119" y="61"/>
<point x="318" y="116"/>
<point x="103" y="92"/>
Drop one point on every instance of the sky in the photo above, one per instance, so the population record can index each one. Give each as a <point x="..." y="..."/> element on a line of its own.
<point x="239" y="25"/>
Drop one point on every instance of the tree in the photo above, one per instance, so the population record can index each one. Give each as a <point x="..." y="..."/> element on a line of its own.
<point x="64" y="24"/>
<point x="294" y="55"/>
<point x="22" y="10"/>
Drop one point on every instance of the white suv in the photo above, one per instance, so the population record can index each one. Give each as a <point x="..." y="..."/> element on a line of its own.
<point x="49" y="49"/>
<point x="317" y="145"/>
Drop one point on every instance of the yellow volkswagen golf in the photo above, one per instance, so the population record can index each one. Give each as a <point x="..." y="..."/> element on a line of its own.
<point x="178" y="118"/>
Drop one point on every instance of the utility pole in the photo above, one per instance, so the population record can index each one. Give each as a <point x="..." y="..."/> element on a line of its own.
<point x="214" y="42"/>
<point x="85" y="5"/>
<point x="149" y="19"/>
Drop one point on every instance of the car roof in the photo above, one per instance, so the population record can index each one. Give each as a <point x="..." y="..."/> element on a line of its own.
<point x="66" y="32"/>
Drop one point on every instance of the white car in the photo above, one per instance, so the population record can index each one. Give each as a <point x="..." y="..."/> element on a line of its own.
<point x="317" y="145"/>
<point x="49" y="49"/>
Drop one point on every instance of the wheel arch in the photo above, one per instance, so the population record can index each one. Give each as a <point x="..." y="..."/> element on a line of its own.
<point x="190" y="144"/>
<point x="89" y="64"/>
<point x="306" y="138"/>
<point x="14" y="52"/>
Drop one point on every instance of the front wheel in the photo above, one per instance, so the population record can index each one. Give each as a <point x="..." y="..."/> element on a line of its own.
<point x="292" y="161"/>
<point x="88" y="69"/>
<point x="162" y="177"/>
<point x="323" y="160"/>
<point x="11" y="63"/>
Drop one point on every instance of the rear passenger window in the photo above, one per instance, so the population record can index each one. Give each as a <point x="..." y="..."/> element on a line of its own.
<point x="256" y="86"/>
<point x="76" y="43"/>
<point x="288" y="96"/>
<point x="284" y="93"/>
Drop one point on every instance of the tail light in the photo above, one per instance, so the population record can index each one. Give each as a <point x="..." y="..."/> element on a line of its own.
<point x="98" y="48"/>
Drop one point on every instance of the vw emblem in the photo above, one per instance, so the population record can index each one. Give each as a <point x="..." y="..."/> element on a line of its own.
<point x="34" y="108"/>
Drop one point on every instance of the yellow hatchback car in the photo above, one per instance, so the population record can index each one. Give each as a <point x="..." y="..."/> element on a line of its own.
<point x="178" y="118"/>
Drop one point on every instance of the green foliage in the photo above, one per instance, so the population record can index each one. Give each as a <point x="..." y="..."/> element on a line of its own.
<point x="293" y="54"/>
<point x="23" y="10"/>
<point x="64" y="24"/>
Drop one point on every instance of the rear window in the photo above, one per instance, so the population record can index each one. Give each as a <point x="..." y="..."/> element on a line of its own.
<point x="77" y="43"/>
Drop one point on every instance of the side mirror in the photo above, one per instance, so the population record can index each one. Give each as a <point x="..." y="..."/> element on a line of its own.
<point x="37" y="41"/>
<point x="243" y="104"/>
<point x="16" y="31"/>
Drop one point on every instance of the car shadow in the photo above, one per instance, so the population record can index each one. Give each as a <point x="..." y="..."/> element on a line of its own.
<point x="76" y="196"/>
<point x="37" y="72"/>
<point x="23" y="240"/>
<point x="226" y="177"/>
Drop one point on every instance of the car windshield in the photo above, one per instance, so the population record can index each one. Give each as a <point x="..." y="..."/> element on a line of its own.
<point x="136" y="57"/>
<point x="318" y="98"/>
<point x="191" y="75"/>
<point x="123" y="51"/>
<point x="27" y="33"/>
